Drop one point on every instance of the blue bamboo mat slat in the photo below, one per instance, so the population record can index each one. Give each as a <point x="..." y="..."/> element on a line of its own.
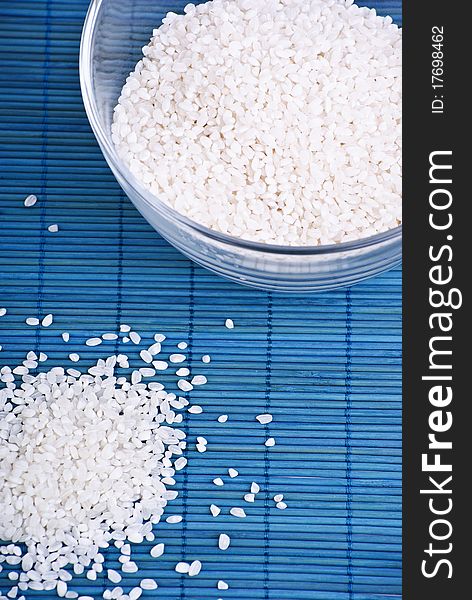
<point x="327" y="366"/>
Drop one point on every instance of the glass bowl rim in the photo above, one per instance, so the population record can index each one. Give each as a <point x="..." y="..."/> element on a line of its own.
<point x="154" y="203"/>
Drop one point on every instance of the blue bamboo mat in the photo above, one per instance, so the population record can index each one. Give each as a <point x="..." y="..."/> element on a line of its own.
<point x="327" y="366"/>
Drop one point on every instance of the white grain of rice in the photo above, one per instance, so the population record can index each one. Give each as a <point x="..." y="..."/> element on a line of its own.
<point x="224" y="541"/>
<point x="61" y="588"/>
<point x="215" y="510"/>
<point x="155" y="348"/>
<point x="222" y="418"/>
<point x="30" y="364"/>
<point x="3" y="311"/>
<point x="135" y="337"/>
<point x="249" y="497"/>
<point x="113" y="576"/>
<point x="264" y="419"/>
<point x="148" y="584"/>
<point x="222" y="585"/>
<point x="195" y="410"/>
<point x="206" y="358"/>
<point x="130" y="567"/>
<point x="180" y="463"/>
<point x="30" y="200"/>
<point x="124" y="328"/>
<point x="199" y="380"/>
<point x="201" y="448"/>
<point x="42" y="357"/>
<point x="255" y="488"/>
<point x="159" y="337"/>
<point x="146" y="356"/>
<point x="32" y="321"/>
<point x="195" y="568"/>
<point x="233" y="473"/>
<point x="65" y="336"/>
<point x="218" y="481"/>
<point x="135" y="593"/>
<point x="278" y="497"/>
<point x="182" y="372"/>
<point x="27" y="562"/>
<point x="91" y="575"/>
<point x="95" y="341"/>
<point x="270" y="442"/>
<point x="109" y="336"/>
<point x="172" y="519"/>
<point x="184" y="385"/>
<point x="147" y="372"/>
<point x="182" y="345"/>
<point x="229" y="324"/>
<point x="74" y="357"/>
<point x="53" y="228"/>
<point x="182" y="567"/>
<point x="47" y="321"/>
<point x="281" y="505"/>
<point x="20" y="370"/>
<point x="177" y="358"/>
<point x="157" y="550"/>
<point x="236" y="511"/>
<point x="160" y="365"/>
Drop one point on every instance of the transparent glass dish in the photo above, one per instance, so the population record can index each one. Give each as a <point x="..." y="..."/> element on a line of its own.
<point x="113" y="35"/>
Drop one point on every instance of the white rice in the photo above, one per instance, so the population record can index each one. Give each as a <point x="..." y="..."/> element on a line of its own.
<point x="277" y="121"/>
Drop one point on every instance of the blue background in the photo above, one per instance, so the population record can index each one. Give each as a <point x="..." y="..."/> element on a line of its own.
<point x="327" y="366"/>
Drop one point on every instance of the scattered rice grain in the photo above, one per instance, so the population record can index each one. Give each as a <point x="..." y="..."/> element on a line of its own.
<point x="222" y="585"/>
<point x="224" y="541"/>
<point x="157" y="550"/>
<point x="135" y="337"/>
<point x="172" y="519"/>
<point x="30" y="200"/>
<point x="148" y="584"/>
<point x="195" y="568"/>
<point x="182" y="567"/>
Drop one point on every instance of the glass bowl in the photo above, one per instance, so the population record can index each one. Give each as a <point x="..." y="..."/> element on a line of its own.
<point x="113" y="35"/>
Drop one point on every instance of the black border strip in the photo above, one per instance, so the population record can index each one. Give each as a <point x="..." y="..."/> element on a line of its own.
<point x="431" y="256"/>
